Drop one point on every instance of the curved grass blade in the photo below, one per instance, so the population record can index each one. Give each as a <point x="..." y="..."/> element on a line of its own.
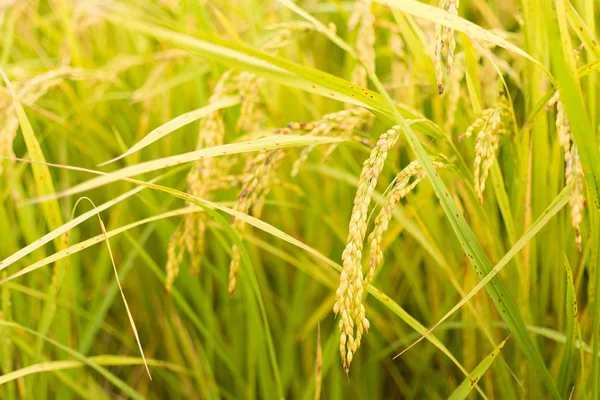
<point x="64" y="228"/>
<point x="174" y="124"/>
<point x="559" y="202"/>
<point x="114" y="265"/>
<point x="103" y="360"/>
<point x="183" y="304"/>
<point x="462" y="391"/>
<point x="98" y="368"/>
<point x="76" y="248"/>
<point x="266" y="143"/>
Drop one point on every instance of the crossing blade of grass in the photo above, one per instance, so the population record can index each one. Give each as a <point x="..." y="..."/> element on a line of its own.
<point x="266" y="143"/>
<point x="103" y="360"/>
<point x="566" y="367"/>
<point x="467" y="385"/>
<point x="114" y="265"/>
<point x="559" y="202"/>
<point x="176" y="123"/>
<point x="64" y="228"/>
<point x="78" y="356"/>
<point x="179" y="300"/>
<point x="69" y="251"/>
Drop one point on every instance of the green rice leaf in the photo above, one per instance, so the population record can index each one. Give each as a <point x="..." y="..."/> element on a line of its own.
<point x="266" y="143"/>
<point x="80" y="357"/>
<point x="176" y="123"/>
<point x="566" y="366"/>
<point x="462" y="391"/>
<point x="103" y="360"/>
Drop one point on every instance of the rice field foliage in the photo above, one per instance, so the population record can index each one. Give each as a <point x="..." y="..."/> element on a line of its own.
<point x="299" y="199"/>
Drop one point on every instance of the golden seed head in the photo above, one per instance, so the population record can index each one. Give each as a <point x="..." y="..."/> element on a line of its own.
<point x="573" y="169"/>
<point x="175" y="257"/>
<point x="350" y="291"/>
<point x="405" y="182"/>
<point x="574" y="177"/>
<point x="285" y="33"/>
<point x="444" y="38"/>
<point x="256" y="185"/>
<point x="491" y="128"/>
<point x="341" y="123"/>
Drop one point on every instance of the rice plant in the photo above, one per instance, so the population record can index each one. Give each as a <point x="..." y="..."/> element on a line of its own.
<point x="299" y="199"/>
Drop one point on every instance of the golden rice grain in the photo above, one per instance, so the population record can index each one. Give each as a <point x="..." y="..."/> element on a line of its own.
<point x="285" y="33"/>
<point x="256" y="186"/>
<point x="573" y="169"/>
<point x="405" y="182"/>
<point x="342" y="124"/>
<point x="445" y="37"/>
<point x="174" y="259"/>
<point x="349" y="295"/>
<point x="491" y="127"/>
